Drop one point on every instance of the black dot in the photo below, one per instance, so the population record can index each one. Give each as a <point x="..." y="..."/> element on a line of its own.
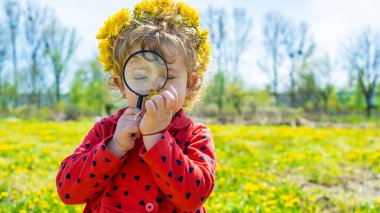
<point x="157" y="175"/>
<point x="170" y="174"/>
<point x="202" y="199"/>
<point x="64" y="166"/>
<point x="137" y="177"/>
<point x="78" y="180"/>
<point x="186" y="144"/>
<point x="107" y="160"/>
<point x="176" y="141"/>
<point x="198" y="182"/>
<point x="118" y="206"/>
<point x="94" y="163"/>
<point x="204" y="136"/>
<point x="163" y="159"/>
<point x="188" y="195"/>
<point x="103" y="147"/>
<point x="96" y="185"/>
<point x="142" y="203"/>
<point x="60" y="185"/>
<point x="97" y="135"/>
<point x="123" y="175"/>
<point x="203" y="148"/>
<point x="102" y="123"/>
<point x="162" y="137"/>
<point x="88" y="145"/>
<point x="174" y="211"/>
<point x="180" y="178"/>
<point x="115" y="188"/>
<point x="126" y="193"/>
<point x="167" y="183"/>
<point x="178" y="162"/>
<point x="142" y="160"/>
<point x="170" y="196"/>
<point x="67" y="196"/>
<point x="108" y="194"/>
<point x="84" y="158"/>
<point x="95" y="151"/>
<point x="147" y="187"/>
<point x="92" y="175"/>
<point x="68" y="176"/>
<point x="202" y="157"/>
<point x="191" y="169"/>
<point x="105" y="177"/>
<point x="185" y="151"/>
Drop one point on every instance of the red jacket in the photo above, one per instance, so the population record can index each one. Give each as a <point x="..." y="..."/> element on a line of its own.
<point x="175" y="175"/>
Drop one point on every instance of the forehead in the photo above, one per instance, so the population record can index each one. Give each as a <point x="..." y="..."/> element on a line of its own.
<point x="173" y="57"/>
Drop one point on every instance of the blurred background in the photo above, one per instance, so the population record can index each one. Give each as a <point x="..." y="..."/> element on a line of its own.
<point x="271" y="62"/>
<point x="275" y="65"/>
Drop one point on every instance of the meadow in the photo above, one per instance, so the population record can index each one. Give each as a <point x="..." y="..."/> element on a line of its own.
<point x="260" y="168"/>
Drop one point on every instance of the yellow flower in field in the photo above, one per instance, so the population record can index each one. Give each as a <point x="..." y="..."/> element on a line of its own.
<point x="289" y="204"/>
<point x="22" y="211"/>
<point x="250" y="187"/>
<point x="55" y="201"/>
<point x="26" y="192"/>
<point x="270" y="202"/>
<point x="4" y="194"/>
<point x="222" y="180"/>
<point x="312" y="199"/>
<point x="285" y="197"/>
<point x="262" y="197"/>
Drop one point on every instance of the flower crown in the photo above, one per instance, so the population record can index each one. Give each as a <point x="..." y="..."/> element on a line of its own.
<point x="155" y="10"/>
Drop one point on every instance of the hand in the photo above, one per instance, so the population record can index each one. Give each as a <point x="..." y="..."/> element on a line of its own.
<point x="127" y="129"/>
<point x="159" y="111"/>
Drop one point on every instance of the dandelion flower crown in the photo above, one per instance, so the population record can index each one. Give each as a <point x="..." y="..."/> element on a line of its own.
<point x="157" y="10"/>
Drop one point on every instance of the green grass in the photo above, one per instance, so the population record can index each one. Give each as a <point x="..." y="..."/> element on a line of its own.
<point x="260" y="169"/>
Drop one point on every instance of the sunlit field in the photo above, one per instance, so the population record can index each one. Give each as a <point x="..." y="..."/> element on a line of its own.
<point x="260" y="169"/>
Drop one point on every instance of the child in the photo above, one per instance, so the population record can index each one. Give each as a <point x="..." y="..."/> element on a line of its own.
<point x="155" y="159"/>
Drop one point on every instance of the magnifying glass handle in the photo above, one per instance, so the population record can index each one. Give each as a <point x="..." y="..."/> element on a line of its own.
<point x="139" y="102"/>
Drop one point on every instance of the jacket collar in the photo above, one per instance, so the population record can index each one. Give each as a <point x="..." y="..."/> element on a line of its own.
<point x="179" y="120"/>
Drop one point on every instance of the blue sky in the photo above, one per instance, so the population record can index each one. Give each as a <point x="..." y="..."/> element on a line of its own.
<point x="331" y="23"/>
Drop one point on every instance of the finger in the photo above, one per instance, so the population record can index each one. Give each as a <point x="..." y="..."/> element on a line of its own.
<point x="169" y="99"/>
<point x="131" y="129"/>
<point x="158" y="100"/>
<point x="136" y="118"/>
<point x="174" y="92"/>
<point x="150" y="107"/>
<point x="131" y="111"/>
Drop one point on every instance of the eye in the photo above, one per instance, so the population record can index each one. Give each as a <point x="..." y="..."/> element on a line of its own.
<point x="171" y="77"/>
<point x="140" y="77"/>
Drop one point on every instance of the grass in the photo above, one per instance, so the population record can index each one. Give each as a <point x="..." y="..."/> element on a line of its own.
<point x="260" y="169"/>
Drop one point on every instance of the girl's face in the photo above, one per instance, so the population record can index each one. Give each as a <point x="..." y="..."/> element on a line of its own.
<point x="177" y="78"/>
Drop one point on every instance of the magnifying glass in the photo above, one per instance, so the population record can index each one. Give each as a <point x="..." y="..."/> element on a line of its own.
<point x="144" y="72"/>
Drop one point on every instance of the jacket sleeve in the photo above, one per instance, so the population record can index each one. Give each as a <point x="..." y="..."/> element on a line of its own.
<point x="186" y="177"/>
<point x="89" y="169"/>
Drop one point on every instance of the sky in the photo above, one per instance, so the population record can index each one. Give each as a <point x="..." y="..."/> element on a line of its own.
<point x="331" y="23"/>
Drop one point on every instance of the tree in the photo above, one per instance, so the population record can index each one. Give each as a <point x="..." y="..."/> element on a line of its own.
<point x="363" y="62"/>
<point x="324" y="68"/>
<point x="3" y="54"/>
<point x="35" y="22"/>
<point x="241" y="38"/>
<point x="13" y="12"/>
<point x="87" y="94"/>
<point x="60" y="44"/>
<point x="274" y="36"/>
<point x="299" y="48"/>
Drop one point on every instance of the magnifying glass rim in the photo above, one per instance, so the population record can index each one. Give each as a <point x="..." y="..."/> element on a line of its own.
<point x="130" y="57"/>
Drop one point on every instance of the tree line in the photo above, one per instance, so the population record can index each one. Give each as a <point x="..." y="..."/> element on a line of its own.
<point x="36" y="51"/>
